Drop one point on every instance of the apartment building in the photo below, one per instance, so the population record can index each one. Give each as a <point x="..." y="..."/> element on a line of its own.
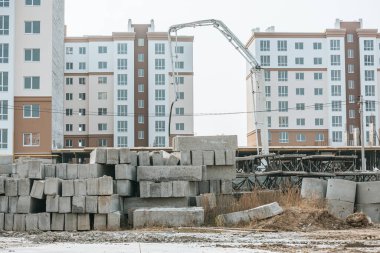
<point x="312" y="85"/>
<point x="31" y="76"/>
<point x="119" y="88"/>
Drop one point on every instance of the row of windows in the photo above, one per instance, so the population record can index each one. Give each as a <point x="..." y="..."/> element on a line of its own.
<point x="122" y="64"/>
<point x="29" y="139"/>
<point x="336" y="106"/>
<point x="283" y="121"/>
<point x="336" y="90"/>
<point x="283" y="137"/>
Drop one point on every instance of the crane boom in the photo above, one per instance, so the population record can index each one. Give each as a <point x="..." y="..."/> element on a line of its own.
<point x="255" y="70"/>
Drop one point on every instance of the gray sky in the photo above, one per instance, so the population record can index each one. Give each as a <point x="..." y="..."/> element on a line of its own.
<point x="219" y="81"/>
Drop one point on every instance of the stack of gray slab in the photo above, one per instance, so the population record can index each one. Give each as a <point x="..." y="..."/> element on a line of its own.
<point x="217" y="153"/>
<point x="368" y="199"/>
<point x="340" y="197"/>
<point x="313" y="188"/>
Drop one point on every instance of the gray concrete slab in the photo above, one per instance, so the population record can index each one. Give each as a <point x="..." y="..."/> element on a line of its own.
<point x="339" y="189"/>
<point x="52" y="204"/>
<point x="11" y="188"/>
<point x="80" y="187"/>
<point x="108" y="204"/>
<point x="61" y="170"/>
<point x="215" y="186"/>
<point x="44" y="221"/>
<point x="36" y="170"/>
<point x="125" y="188"/>
<point x="126" y="171"/>
<point x="368" y="192"/>
<point x="113" y="221"/>
<point x="208" y="157"/>
<point x="92" y="186"/>
<point x="185" y="158"/>
<point x="204" y="187"/>
<point x="169" y="173"/>
<point x="226" y="187"/>
<point x="72" y="171"/>
<point x="53" y="186"/>
<point x="84" y="222"/>
<point x="8" y="221"/>
<point x="38" y="188"/>
<point x="150" y="189"/>
<point x="100" y="222"/>
<point x="182" y="189"/>
<point x="168" y="217"/>
<point x="22" y="170"/>
<point x="19" y="222"/>
<point x="144" y="159"/>
<point x="83" y="171"/>
<point x="313" y="188"/>
<point x="98" y="155"/>
<point x="96" y="170"/>
<point x="6" y="169"/>
<point x="50" y="170"/>
<point x="172" y="160"/>
<point x="31" y="222"/>
<point x="24" y="186"/>
<point x="112" y="156"/>
<point x="230" y="157"/>
<point x="68" y="188"/>
<point x="196" y="157"/>
<point x="64" y="204"/>
<point x="2" y="185"/>
<point x="4" y="204"/>
<point x="12" y="204"/>
<point x="227" y="172"/>
<point x="156" y="158"/>
<point x="71" y="222"/>
<point x="6" y="159"/>
<point x="155" y="202"/>
<point x="371" y="210"/>
<point x="57" y="222"/>
<point x="207" y="201"/>
<point x="91" y="204"/>
<point x="340" y="209"/>
<point x="2" y="221"/>
<point x="27" y="204"/>
<point x="124" y="157"/>
<point x="105" y="185"/>
<point x="221" y="142"/>
<point x="220" y="157"/>
<point x="78" y="204"/>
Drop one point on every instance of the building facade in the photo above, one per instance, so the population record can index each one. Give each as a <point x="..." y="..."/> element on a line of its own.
<point x="119" y="89"/>
<point x="31" y="76"/>
<point x="312" y="83"/>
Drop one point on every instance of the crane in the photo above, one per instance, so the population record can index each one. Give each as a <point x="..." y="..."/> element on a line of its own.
<point x="255" y="72"/>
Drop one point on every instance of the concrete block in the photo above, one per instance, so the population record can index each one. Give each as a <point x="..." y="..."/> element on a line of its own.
<point x="339" y="189"/>
<point x="64" y="205"/>
<point x="112" y="156"/>
<point x="127" y="156"/>
<point x="113" y="221"/>
<point x="80" y="187"/>
<point x="11" y="187"/>
<point x="368" y="192"/>
<point x="100" y="222"/>
<point x="38" y="189"/>
<point x="215" y="186"/>
<point x="36" y="170"/>
<point x="19" y="222"/>
<point x="125" y="188"/>
<point x="371" y="210"/>
<point x="169" y="173"/>
<point x="340" y="209"/>
<point x="24" y="186"/>
<point x="221" y="142"/>
<point x="92" y="186"/>
<point x="27" y="204"/>
<point x="96" y="170"/>
<point x="12" y="204"/>
<point x="207" y="201"/>
<point x="185" y="157"/>
<point x="2" y="185"/>
<point x="6" y="169"/>
<point x="61" y="170"/>
<point x="83" y="171"/>
<point x="204" y="187"/>
<point x="108" y="204"/>
<point x="2" y="221"/>
<point x="168" y="217"/>
<point x="72" y="171"/>
<point x="144" y="158"/>
<point x="4" y="204"/>
<point x="98" y="155"/>
<point x="226" y="187"/>
<point x="220" y="157"/>
<point x="126" y="171"/>
<point x="52" y="204"/>
<point x="53" y="186"/>
<point x="78" y="204"/>
<point x="84" y="222"/>
<point x="156" y="190"/>
<point x="91" y="204"/>
<point x="49" y="170"/>
<point x="156" y="158"/>
<point x="182" y="189"/>
<point x="8" y="221"/>
<point x="230" y="157"/>
<point x="172" y="160"/>
<point x="6" y="159"/>
<point x="155" y="202"/>
<point x="196" y="157"/>
<point x="245" y="217"/>
<point x="71" y="222"/>
<point x="31" y="222"/>
<point x="68" y="188"/>
<point x="227" y="172"/>
<point x="58" y="222"/>
<point x="208" y="157"/>
<point x="22" y="170"/>
<point x="313" y="188"/>
<point x="44" y="221"/>
<point x="105" y="185"/>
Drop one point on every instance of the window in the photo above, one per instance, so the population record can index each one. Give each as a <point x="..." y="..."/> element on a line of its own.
<point x="82" y="96"/>
<point x="369" y="60"/>
<point x="31" y="139"/>
<point x="69" y="127"/>
<point x="140" y="57"/>
<point x="140" y="42"/>
<point x="159" y="48"/>
<point x="264" y="45"/>
<point x="3" y="81"/>
<point x="160" y="126"/>
<point x="31" y="111"/>
<point x="282" y="91"/>
<point x="351" y="99"/>
<point x="336" y="106"/>
<point x="122" y="95"/>
<point x="159" y="95"/>
<point x="267" y="91"/>
<point x="369" y="120"/>
<point x="122" y="48"/>
<point x="102" y="80"/>
<point x="122" y="126"/>
<point x="282" y="45"/>
<point x="69" y="65"/>
<point x="370" y="90"/>
<point x="336" y="136"/>
<point x="4" y="53"/>
<point x="32" y="82"/>
<point x="102" y="111"/>
<point x="336" y="121"/>
<point x="368" y="45"/>
<point x="336" y="90"/>
<point x="369" y="75"/>
<point x="122" y="79"/>
<point x="122" y="63"/>
<point x="334" y="44"/>
<point x="122" y="141"/>
<point x="32" y="54"/>
<point x="317" y="61"/>
<point x="81" y="142"/>
<point x="299" y="60"/>
<point x="181" y="95"/>
<point x="103" y="64"/>
<point x="3" y="109"/>
<point x="82" y="65"/>
<point x="351" y="68"/>
<point x="283" y="138"/>
<point x="68" y="143"/>
<point x="102" y="49"/>
<point x="351" y="114"/>
<point x="179" y="49"/>
<point x="282" y="76"/>
<point x="159" y="141"/>
<point x="140" y="73"/>
<point x="69" y="81"/>
<point x="178" y="111"/>
<point x="267" y="75"/>
<point x="318" y="91"/>
<point x="300" y="91"/>
<point x="335" y="75"/>
<point x="69" y="96"/>
<point x="300" y="76"/>
<point x="319" y="137"/>
<point x="82" y="128"/>
<point x="269" y="121"/>
<point x="159" y="64"/>
<point x="283" y="121"/>
<point x="350" y="53"/>
<point x="317" y="45"/>
<point x="140" y="119"/>
<point x="317" y="76"/>
<point x="102" y="142"/>
<point x="33" y="2"/>
<point x="102" y="95"/>
<point x="265" y="60"/>
<point x="300" y="122"/>
<point x="159" y="79"/>
<point x="140" y="135"/>
<point x="350" y="38"/>
<point x="298" y="45"/>
<point x="301" y="138"/>
<point x="140" y="104"/>
<point x="282" y="106"/>
<point x="318" y="121"/>
<point x="179" y="65"/>
<point x="140" y="87"/>
<point x="282" y="60"/>
<point x="69" y="112"/>
<point x="180" y="126"/>
<point x="335" y="60"/>
<point x="268" y="106"/>
<point x="33" y="27"/>
<point x="102" y="127"/>
<point x="82" y="80"/>
<point x="180" y="80"/>
<point x="4" y="3"/>
<point x="160" y="111"/>
<point x="300" y="106"/>
<point x="82" y="50"/>
<point x="351" y="84"/>
<point x="370" y="106"/>
<point x="318" y="106"/>
<point x="4" y="25"/>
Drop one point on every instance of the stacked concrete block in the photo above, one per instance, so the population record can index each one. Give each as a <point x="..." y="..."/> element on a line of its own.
<point x="57" y="222"/>
<point x="144" y="158"/>
<point x="50" y="170"/>
<point x="36" y="170"/>
<point x="61" y="170"/>
<point x="368" y="199"/>
<point x="313" y="188"/>
<point x="31" y="222"/>
<point x="72" y="171"/>
<point x="99" y="156"/>
<point x="24" y="186"/>
<point x="38" y="189"/>
<point x="126" y="156"/>
<point x="340" y="197"/>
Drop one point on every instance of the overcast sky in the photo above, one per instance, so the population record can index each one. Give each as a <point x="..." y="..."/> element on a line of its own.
<point x="219" y="81"/>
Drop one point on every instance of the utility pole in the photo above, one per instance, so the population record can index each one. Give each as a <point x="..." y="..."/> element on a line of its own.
<point x="361" y="111"/>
